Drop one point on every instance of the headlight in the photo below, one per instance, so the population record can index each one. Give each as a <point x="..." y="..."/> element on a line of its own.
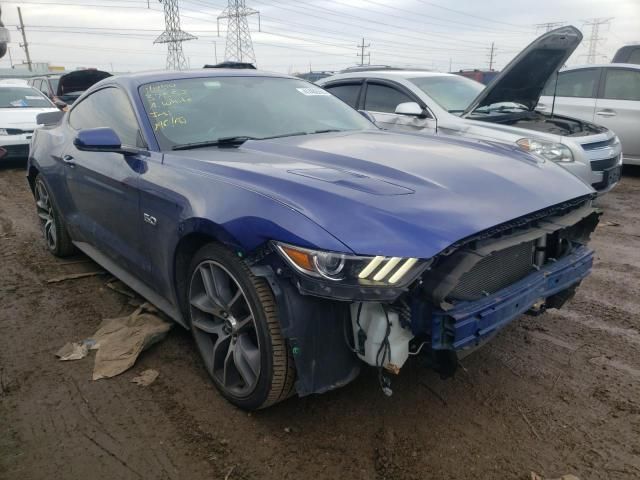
<point x="3" y="131"/>
<point x="556" y="152"/>
<point x="351" y="269"/>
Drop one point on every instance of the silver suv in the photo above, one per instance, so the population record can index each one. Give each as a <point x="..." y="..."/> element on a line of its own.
<point x="606" y="94"/>
<point x="505" y="111"/>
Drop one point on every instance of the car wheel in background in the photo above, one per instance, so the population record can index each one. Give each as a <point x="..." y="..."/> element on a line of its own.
<point x="233" y="318"/>
<point x="54" y="230"/>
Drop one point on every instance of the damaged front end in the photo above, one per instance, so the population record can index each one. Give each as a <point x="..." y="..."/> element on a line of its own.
<point x="450" y="304"/>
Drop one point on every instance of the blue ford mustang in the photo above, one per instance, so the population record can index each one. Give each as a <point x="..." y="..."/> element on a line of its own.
<point x="294" y="238"/>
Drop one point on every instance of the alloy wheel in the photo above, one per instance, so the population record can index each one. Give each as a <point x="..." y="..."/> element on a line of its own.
<point x="46" y="215"/>
<point x="224" y="328"/>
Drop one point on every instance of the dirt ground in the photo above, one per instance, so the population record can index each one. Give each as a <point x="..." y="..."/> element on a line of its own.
<point x="555" y="394"/>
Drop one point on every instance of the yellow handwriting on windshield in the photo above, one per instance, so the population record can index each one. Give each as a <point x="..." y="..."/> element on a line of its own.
<point x="163" y="98"/>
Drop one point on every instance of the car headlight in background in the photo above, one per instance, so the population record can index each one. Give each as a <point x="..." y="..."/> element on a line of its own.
<point x="556" y="152"/>
<point x="351" y="269"/>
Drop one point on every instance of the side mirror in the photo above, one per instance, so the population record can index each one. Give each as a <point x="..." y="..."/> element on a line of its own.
<point x="411" y="108"/>
<point x="98" y="140"/>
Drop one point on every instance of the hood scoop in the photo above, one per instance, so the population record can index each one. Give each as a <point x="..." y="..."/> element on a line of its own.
<point x="354" y="181"/>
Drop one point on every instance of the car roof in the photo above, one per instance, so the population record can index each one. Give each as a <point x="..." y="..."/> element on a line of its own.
<point x="19" y="85"/>
<point x="134" y="80"/>
<point x="602" y="65"/>
<point x="390" y="74"/>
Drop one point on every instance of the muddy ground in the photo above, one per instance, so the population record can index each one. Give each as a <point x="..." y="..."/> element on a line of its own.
<point x="555" y="394"/>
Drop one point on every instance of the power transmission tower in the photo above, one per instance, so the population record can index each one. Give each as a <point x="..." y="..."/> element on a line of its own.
<point x="173" y="36"/>
<point x="24" y="43"/>
<point x="362" y="46"/>
<point x="595" y="39"/>
<point x="492" y="56"/>
<point x="547" y="27"/>
<point x="239" y="47"/>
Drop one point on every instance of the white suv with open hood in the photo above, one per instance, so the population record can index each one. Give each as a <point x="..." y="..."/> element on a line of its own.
<point x="504" y="111"/>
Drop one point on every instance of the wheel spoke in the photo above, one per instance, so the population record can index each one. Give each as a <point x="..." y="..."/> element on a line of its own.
<point x="246" y="357"/>
<point x="228" y="364"/>
<point x="204" y="303"/>
<point x="244" y="324"/>
<point x="234" y="300"/>
<point x="208" y="326"/>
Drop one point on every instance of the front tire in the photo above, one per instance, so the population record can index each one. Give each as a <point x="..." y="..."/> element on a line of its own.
<point x="234" y="322"/>
<point x="53" y="227"/>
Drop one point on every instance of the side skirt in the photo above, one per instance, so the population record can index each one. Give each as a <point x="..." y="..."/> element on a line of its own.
<point x="132" y="282"/>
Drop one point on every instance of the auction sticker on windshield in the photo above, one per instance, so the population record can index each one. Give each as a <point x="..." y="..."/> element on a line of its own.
<point x="312" y="91"/>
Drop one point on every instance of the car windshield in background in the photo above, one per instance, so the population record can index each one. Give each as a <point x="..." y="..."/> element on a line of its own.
<point x="22" y="97"/>
<point x="189" y="112"/>
<point x="452" y="92"/>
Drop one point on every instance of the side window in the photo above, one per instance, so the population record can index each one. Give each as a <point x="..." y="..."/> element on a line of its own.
<point x="348" y="93"/>
<point x="634" y="57"/>
<point x="108" y="107"/>
<point x="382" y="98"/>
<point x="43" y="86"/>
<point x="578" y="83"/>
<point x="622" y="84"/>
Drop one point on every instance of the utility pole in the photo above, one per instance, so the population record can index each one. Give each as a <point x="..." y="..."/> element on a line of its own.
<point x="547" y="27"/>
<point x="239" y="46"/>
<point x="173" y="36"/>
<point x="450" y="70"/>
<point x="362" y="46"/>
<point x="24" y="43"/>
<point x="595" y="39"/>
<point x="492" y="55"/>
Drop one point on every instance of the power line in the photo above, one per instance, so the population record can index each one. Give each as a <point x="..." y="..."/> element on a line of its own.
<point x="547" y="27"/>
<point x="595" y="39"/>
<point x="173" y="36"/>
<point x="239" y="47"/>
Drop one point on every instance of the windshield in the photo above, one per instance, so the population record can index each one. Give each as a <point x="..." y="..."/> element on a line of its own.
<point x="452" y="92"/>
<point x="203" y="110"/>
<point x="22" y="97"/>
<point x="54" y="83"/>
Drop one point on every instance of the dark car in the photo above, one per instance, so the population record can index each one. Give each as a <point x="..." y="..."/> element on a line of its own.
<point x="628" y="54"/>
<point x="294" y="238"/>
<point x="65" y="89"/>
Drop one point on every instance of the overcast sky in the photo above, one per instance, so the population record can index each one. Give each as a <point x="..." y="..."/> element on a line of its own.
<point x="296" y="35"/>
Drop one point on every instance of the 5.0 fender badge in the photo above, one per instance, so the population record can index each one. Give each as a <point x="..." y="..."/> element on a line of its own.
<point x="151" y="220"/>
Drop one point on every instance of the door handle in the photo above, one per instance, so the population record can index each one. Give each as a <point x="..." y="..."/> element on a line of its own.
<point x="68" y="160"/>
<point x="606" y="113"/>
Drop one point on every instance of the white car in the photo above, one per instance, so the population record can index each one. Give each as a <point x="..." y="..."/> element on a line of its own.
<point x="430" y="102"/>
<point x="19" y="106"/>
<point x="606" y="94"/>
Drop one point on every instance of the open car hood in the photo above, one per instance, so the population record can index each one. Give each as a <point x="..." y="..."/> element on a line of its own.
<point x="523" y="79"/>
<point x="79" y="81"/>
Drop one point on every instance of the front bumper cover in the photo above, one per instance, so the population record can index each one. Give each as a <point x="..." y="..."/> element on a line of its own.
<point x="468" y="324"/>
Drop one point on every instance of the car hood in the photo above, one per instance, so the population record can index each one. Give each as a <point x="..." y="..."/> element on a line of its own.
<point x="23" y="118"/>
<point x="523" y="79"/>
<point x="79" y="81"/>
<point x="388" y="194"/>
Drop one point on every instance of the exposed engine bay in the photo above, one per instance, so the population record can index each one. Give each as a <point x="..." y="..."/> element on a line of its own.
<point x="542" y="122"/>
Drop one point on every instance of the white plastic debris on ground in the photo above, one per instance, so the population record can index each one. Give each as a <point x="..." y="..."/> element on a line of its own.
<point x="146" y="378"/>
<point x="119" y="342"/>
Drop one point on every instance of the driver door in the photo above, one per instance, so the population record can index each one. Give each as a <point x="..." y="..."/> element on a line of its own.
<point x="104" y="209"/>
<point x="381" y="100"/>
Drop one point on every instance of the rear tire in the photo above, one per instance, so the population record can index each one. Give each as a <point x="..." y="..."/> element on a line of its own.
<point x="53" y="227"/>
<point x="234" y="322"/>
